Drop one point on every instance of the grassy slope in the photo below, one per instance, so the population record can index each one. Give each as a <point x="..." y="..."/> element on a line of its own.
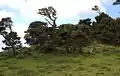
<point x="49" y="65"/>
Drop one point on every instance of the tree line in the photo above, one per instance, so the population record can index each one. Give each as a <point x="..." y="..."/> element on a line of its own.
<point x="61" y="39"/>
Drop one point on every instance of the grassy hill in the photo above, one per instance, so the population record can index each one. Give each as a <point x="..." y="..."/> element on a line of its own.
<point x="104" y="62"/>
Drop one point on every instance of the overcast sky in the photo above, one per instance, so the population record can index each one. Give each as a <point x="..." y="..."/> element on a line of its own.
<point x="24" y="12"/>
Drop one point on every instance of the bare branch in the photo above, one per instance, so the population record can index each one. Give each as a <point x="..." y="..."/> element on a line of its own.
<point x="49" y="22"/>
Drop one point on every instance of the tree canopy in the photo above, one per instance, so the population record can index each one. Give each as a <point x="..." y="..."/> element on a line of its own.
<point x="64" y="38"/>
<point x="12" y="41"/>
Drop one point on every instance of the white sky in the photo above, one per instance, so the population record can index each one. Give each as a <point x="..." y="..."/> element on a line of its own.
<point x="65" y="8"/>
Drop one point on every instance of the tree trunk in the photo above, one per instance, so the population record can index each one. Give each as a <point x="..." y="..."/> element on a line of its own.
<point x="13" y="50"/>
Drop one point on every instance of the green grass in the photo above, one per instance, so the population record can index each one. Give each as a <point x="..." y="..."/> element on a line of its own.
<point x="48" y="65"/>
<point x="100" y="64"/>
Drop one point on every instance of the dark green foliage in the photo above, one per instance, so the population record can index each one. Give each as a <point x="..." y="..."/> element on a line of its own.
<point x="69" y="38"/>
<point x="39" y="34"/>
<point x="65" y="38"/>
<point x="106" y="29"/>
<point x="85" y="21"/>
<point x="36" y="33"/>
<point x="12" y="41"/>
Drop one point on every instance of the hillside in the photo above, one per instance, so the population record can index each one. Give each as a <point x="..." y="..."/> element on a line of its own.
<point x="104" y="62"/>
